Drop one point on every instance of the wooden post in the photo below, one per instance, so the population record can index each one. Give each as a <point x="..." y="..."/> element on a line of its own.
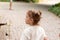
<point x="10" y="5"/>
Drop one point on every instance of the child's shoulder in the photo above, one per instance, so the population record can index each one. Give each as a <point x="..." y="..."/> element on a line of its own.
<point x="41" y="29"/>
<point x="27" y="31"/>
<point x="31" y="28"/>
<point x="28" y="28"/>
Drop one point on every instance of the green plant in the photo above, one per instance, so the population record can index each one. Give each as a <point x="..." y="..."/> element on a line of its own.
<point x="31" y="1"/>
<point x="55" y="9"/>
<point x="4" y="0"/>
<point x="26" y="0"/>
<point x="35" y="1"/>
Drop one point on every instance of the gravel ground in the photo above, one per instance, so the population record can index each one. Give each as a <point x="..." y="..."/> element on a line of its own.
<point x="49" y="21"/>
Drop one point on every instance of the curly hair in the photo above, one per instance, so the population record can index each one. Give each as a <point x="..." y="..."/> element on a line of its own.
<point x="36" y="16"/>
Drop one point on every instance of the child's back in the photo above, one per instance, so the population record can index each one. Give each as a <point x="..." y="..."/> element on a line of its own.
<point x="33" y="31"/>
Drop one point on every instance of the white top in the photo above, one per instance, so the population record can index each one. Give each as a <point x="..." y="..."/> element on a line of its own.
<point x="33" y="33"/>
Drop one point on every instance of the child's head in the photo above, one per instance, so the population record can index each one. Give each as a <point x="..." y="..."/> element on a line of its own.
<point x="32" y="17"/>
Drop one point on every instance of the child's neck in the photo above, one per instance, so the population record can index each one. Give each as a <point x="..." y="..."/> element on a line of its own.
<point x="34" y="24"/>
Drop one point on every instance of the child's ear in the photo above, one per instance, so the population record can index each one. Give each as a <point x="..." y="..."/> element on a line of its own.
<point x="39" y="12"/>
<point x="29" y="12"/>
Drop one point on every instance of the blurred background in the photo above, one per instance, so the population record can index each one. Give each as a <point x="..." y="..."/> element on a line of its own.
<point x="20" y="0"/>
<point x="50" y="20"/>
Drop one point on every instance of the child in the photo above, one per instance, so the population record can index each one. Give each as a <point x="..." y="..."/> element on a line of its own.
<point x="10" y="5"/>
<point x="33" y="30"/>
